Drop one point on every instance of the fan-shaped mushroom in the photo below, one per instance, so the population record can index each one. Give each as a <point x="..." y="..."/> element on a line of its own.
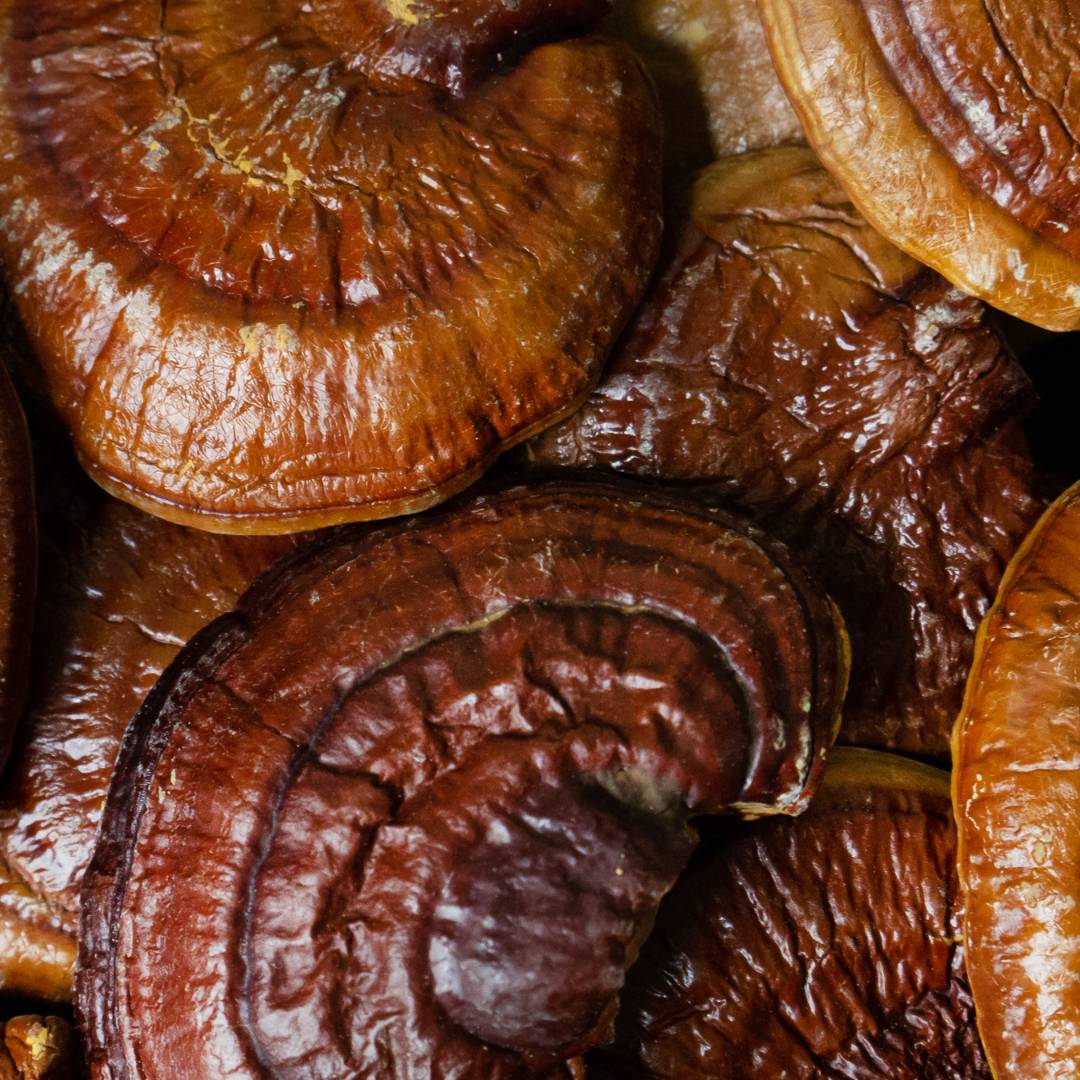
<point x="293" y="263"/>
<point x="38" y="1048"/>
<point x="795" y="362"/>
<point x="1017" y="792"/>
<point x="410" y="809"/>
<point x="18" y="559"/>
<point x="824" y="945"/>
<point x="122" y="592"/>
<point x="953" y="126"/>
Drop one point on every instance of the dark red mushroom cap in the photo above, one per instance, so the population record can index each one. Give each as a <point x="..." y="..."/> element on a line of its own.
<point x="794" y="362"/>
<point x="18" y="559"/>
<point x="411" y="808"/>
<point x="288" y="264"/>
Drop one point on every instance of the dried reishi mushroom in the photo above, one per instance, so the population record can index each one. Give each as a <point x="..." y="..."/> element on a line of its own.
<point x="1016" y="791"/>
<point x="293" y="263"/>
<point x="410" y="809"/>
<point x="18" y="559"/>
<point x="122" y="592"/>
<point x="824" y="945"/>
<point x="38" y="1048"/>
<point x="718" y="90"/>
<point x="953" y="126"/>
<point x="796" y="363"/>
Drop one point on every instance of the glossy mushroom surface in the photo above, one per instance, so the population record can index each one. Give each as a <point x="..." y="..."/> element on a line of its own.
<point x="794" y="362"/>
<point x="819" y="946"/>
<point x="288" y="264"/>
<point x="38" y="1048"/>
<point x="953" y="125"/>
<point x="122" y="593"/>
<point x="496" y="722"/>
<point x="719" y="93"/>
<point x="18" y="559"/>
<point x="1017" y="801"/>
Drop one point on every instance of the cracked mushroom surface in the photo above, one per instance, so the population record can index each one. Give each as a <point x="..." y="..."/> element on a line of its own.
<point x="121" y="594"/>
<point x="287" y="264"/>
<point x="1016" y="791"/>
<point x="820" y="946"/>
<point x="18" y="559"/>
<point x="954" y="127"/>
<point x="497" y="720"/>
<point x="794" y="362"/>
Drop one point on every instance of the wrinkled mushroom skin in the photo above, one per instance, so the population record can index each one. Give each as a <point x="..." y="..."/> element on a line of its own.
<point x="953" y="126"/>
<point x="496" y="721"/>
<point x="794" y="362"/>
<point x="122" y="592"/>
<point x="289" y="264"/>
<point x="718" y="90"/>
<point x="18" y="559"/>
<point x="1016" y="793"/>
<point x="819" y="946"/>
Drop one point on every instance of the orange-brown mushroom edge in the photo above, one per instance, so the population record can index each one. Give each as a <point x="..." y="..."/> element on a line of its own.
<point x="292" y="264"/>
<point x="18" y="559"/>
<point x="794" y="362"/>
<point x="953" y="126"/>
<point x="409" y="810"/>
<point x="819" y="946"/>
<point x="39" y="1048"/>
<point x="1016" y="791"/>
<point x="718" y="91"/>
<point x="121" y="594"/>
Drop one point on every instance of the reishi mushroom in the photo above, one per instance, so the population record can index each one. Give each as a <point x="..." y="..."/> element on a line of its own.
<point x="795" y="363"/>
<point x="953" y="126"/>
<point x="122" y="592"/>
<point x="295" y="263"/>
<point x="823" y="945"/>
<point x="1016" y="791"/>
<point x="411" y="807"/>
<point x="18" y="559"/>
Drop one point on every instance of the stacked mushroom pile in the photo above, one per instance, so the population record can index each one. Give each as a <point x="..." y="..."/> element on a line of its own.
<point x="539" y="782"/>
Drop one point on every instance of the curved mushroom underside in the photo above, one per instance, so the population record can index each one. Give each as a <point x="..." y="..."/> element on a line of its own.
<point x="496" y="722"/>
<point x="820" y="946"/>
<point x="795" y="363"/>
<point x="954" y="125"/>
<point x="287" y="264"/>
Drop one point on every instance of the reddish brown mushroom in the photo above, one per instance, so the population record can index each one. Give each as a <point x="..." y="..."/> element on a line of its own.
<point x="38" y="1048"/>
<point x="18" y="559"/>
<point x="820" y="946"/>
<point x="954" y="126"/>
<point x="293" y="263"/>
<point x="411" y="808"/>
<point x="795" y="362"/>
<point x="122" y="592"/>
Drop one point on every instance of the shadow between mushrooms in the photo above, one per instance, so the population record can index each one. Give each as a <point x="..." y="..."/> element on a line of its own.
<point x="288" y="264"/>
<point x="412" y="807"/>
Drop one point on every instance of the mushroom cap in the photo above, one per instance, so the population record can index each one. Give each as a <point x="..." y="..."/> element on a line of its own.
<point x="290" y="264"/>
<point x="18" y="559"/>
<point x="1016" y="792"/>
<point x="823" y="945"/>
<point x="795" y="363"/>
<point x="496" y="721"/>
<point x="953" y="126"/>
<point x="122" y="593"/>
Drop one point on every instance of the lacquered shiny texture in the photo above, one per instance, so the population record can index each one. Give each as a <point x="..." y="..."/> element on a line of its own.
<point x="1017" y="801"/>
<point x="718" y="91"/>
<point x="18" y="558"/>
<point x="953" y="125"/>
<point x="288" y="264"/>
<point x="122" y="593"/>
<point x="39" y="1048"/>
<point x="410" y="810"/>
<point x="820" y="946"/>
<point x="794" y="362"/>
